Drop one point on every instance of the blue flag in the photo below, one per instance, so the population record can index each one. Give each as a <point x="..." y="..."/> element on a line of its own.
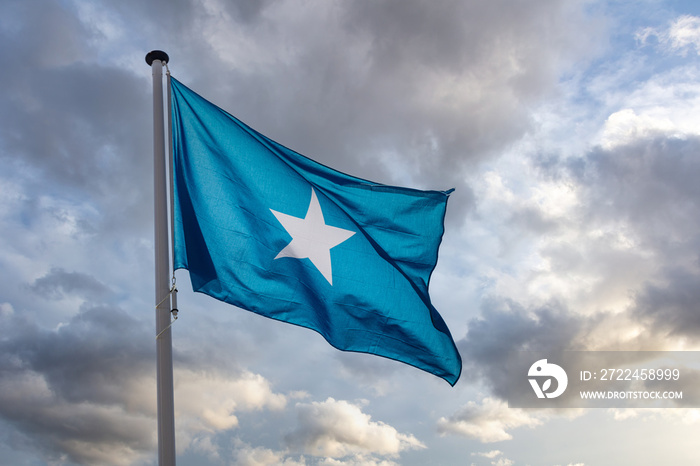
<point x="266" y="229"/>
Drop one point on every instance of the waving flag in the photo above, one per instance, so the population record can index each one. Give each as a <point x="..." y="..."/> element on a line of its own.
<point x="266" y="229"/>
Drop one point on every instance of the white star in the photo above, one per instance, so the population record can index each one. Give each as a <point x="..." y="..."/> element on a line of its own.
<point x="311" y="238"/>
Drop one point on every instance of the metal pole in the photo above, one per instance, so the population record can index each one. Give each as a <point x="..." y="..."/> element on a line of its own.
<point x="164" y="349"/>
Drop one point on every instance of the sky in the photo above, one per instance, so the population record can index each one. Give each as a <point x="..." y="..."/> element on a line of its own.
<point x="569" y="129"/>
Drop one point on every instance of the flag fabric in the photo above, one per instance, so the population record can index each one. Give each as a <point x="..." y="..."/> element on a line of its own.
<point x="266" y="229"/>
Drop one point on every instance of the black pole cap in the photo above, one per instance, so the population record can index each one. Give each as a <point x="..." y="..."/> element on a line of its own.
<point x="156" y="55"/>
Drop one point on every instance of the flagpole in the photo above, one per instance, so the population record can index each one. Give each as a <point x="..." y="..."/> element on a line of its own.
<point x="164" y="350"/>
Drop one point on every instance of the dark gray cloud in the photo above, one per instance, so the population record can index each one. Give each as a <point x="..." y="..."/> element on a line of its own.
<point x="650" y="183"/>
<point x="39" y="35"/>
<point x="648" y="191"/>
<point x="508" y="337"/>
<point x="672" y="305"/>
<point x="439" y="87"/>
<point x="369" y="84"/>
<point x="58" y="281"/>
<point x="481" y="64"/>
<point x="79" y="386"/>
<point x="636" y="228"/>
<point x="70" y="124"/>
<point x="507" y="327"/>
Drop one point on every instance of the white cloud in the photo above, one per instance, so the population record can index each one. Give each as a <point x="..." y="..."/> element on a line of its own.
<point x="258" y="456"/>
<point x="492" y="455"/>
<point x="683" y="416"/>
<point x="206" y="403"/>
<point x="357" y="460"/>
<point x="205" y="445"/>
<point x="626" y="125"/>
<point x="488" y="422"/>
<point x="337" y="429"/>
<point x="666" y="103"/>
<point x="682" y="34"/>
<point x="503" y="462"/>
<point x="489" y="454"/>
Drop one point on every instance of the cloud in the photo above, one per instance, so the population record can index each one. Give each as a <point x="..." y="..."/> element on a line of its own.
<point x="646" y="191"/>
<point x="663" y="106"/>
<point x="73" y="124"/>
<point x="670" y="303"/>
<point x="626" y="125"/>
<point x="246" y="455"/>
<point x="437" y="88"/>
<point x="503" y="462"/>
<point x="685" y="417"/>
<point x="58" y="40"/>
<point x="682" y="34"/>
<point x="358" y="460"/>
<point x="6" y="310"/>
<point x="489" y="454"/>
<point x="79" y="392"/>
<point x="625" y="247"/>
<point x="85" y="392"/>
<point x="492" y="455"/>
<point x="487" y="422"/>
<point x="507" y="327"/>
<point x="206" y="404"/>
<point x="337" y="429"/>
<point x="258" y="456"/>
<point x="618" y="272"/>
<point x="57" y="282"/>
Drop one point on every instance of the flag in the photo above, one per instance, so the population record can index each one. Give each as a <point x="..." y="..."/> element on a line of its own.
<point x="266" y="229"/>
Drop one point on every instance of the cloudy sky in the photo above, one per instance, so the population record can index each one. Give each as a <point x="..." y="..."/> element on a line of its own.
<point x="570" y="130"/>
